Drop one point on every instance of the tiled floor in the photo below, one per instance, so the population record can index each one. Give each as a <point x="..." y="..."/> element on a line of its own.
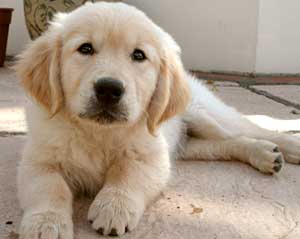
<point x="232" y="199"/>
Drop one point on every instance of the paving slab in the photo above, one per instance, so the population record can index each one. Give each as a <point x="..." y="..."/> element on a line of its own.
<point x="288" y="92"/>
<point x="12" y="102"/>
<point x="11" y="149"/>
<point x="250" y="103"/>
<point x="262" y="111"/>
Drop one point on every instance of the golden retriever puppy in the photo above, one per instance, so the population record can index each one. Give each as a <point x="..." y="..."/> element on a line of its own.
<point x="106" y="85"/>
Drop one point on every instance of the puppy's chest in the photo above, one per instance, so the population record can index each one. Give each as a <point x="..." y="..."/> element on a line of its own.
<point x="85" y="166"/>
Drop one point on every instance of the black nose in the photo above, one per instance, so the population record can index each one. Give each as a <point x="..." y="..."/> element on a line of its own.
<point x="109" y="90"/>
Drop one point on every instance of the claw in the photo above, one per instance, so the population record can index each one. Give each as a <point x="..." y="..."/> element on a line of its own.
<point x="277" y="168"/>
<point x="100" y="231"/>
<point x="113" y="233"/>
<point x="278" y="160"/>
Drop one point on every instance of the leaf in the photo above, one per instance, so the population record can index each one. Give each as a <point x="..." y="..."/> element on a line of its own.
<point x="196" y="210"/>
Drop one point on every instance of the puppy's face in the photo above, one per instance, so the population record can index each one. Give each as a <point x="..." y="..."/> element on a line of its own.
<point x="111" y="64"/>
<point x="106" y="63"/>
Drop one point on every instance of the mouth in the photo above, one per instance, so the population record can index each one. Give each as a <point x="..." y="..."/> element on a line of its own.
<point x="105" y="114"/>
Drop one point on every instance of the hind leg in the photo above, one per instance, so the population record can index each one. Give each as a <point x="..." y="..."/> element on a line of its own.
<point x="203" y="126"/>
<point x="262" y="155"/>
<point x="207" y="117"/>
<point x="289" y="145"/>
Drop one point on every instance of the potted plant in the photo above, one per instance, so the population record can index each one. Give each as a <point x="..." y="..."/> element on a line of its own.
<point x="5" y="19"/>
<point x="38" y="13"/>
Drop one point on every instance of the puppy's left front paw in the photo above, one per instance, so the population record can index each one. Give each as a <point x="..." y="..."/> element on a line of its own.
<point x="114" y="213"/>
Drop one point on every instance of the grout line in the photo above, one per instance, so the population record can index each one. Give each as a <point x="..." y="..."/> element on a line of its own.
<point x="272" y="97"/>
<point x="244" y="74"/>
<point x="293" y="132"/>
<point x="248" y="78"/>
<point x="11" y="133"/>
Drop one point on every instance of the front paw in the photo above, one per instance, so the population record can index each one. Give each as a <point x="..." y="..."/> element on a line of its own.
<point x="46" y="225"/>
<point x="114" y="213"/>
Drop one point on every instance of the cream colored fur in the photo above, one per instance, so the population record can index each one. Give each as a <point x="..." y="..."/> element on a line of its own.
<point x="126" y="164"/>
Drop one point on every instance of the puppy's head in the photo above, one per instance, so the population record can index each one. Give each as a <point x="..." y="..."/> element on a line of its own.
<point x="106" y="63"/>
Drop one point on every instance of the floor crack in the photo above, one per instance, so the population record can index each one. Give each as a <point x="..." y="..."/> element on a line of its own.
<point x="271" y="96"/>
<point x="292" y="223"/>
<point x="290" y="231"/>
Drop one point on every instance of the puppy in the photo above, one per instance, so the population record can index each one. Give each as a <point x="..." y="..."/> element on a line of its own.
<point x="111" y="104"/>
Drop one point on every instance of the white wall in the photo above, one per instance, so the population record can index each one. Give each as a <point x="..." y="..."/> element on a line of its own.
<point x="214" y="34"/>
<point x="232" y="35"/>
<point x="18" y="35"/>
<point x="278" y="47"/>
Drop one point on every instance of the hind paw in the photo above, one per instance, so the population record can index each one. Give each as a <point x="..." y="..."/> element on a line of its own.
<point x="290" y="147"/>
<point x="266" y="157"/>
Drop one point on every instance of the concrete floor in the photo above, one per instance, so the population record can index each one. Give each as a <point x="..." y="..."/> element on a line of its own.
<point x="206" y="200"/>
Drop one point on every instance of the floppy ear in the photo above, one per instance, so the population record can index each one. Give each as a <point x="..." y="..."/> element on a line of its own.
<point x="39" y="70"/>
<point x="172" y="94"/>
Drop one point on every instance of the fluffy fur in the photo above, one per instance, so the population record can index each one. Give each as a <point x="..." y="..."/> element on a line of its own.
<point x="124" y="162"/>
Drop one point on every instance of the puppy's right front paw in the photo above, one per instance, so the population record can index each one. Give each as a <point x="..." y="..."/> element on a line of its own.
<point x="114" y="213"/>
<point x="46" y="225"/>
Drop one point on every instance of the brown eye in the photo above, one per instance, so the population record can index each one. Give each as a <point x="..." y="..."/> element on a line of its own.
<point x="86" y="49"/>
<point x="138" y="55"/>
